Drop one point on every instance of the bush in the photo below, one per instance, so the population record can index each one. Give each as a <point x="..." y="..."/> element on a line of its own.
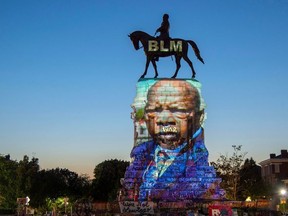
<point x="7" y="211"/>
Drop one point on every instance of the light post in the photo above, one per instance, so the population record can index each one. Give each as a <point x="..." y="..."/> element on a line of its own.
<point x="283" y="193"/>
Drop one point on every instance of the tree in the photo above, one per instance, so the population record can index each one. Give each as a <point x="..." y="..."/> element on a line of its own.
<point x="228" y="168"/>
<point x="8" y="182"/>
<point x="54" y="183"/>
<point x="251" y="182"/>
<point x="106" y="180"/>
<point x="24" y="178"/>
<point x="16" y="179"/>
<point x="26" y="173"/>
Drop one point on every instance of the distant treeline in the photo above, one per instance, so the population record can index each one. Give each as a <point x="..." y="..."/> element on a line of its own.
<point x="24" y="178"/>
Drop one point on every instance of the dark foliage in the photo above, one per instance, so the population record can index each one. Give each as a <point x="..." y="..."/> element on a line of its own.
<point x="107" y="177"/>
<point x="24" y="178"/>
<point x="228" y="168"/>
<point x="8" y="182"/>
<point x="240" y="178"/>
<point x="251" y="182"/>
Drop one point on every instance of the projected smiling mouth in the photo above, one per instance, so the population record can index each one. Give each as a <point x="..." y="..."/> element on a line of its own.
<point x="168" y="135"/>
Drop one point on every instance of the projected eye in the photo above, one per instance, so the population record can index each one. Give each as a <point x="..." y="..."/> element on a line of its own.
<point x="181" y="115"/>
<point x="158" y="109"/>
<point x="178" y="110"/>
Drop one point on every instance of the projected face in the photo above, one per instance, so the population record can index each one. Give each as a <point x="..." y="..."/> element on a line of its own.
<point x="169" y="112"/>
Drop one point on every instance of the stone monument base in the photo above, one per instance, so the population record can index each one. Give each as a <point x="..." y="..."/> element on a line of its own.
<point x="161" y="174"/>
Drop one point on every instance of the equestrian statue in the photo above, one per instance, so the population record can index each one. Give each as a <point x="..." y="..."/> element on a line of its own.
<point x="163" y="46"/>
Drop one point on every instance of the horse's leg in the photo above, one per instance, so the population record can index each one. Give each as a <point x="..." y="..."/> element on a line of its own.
<point x="178" y="65"/>
<point x="185" y="57"/>
<point x="155" y="67"/>
<point x="146" y="67"/>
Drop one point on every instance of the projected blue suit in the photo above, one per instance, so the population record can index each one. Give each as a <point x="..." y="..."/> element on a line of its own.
<point x="162" y="173"/>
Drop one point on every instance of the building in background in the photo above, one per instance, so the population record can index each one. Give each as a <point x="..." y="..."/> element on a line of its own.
<point x="275" y="169"/>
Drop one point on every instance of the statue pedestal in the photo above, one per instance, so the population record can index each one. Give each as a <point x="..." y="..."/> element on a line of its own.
<point x="169" y="175"/>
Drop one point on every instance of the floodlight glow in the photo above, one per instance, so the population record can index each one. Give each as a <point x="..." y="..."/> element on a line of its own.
<point x="283" y="192"/>
<point x="248" y="199"/>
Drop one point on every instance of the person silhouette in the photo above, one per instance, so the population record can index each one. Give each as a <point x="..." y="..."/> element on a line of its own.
<point x="164" y="31"/>
<point x="164" y="28"/>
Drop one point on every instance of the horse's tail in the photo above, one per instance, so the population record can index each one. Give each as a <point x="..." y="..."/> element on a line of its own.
<point x="196" y="50"/>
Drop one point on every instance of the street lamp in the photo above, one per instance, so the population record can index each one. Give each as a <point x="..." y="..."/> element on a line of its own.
<point x="283" y="193"/>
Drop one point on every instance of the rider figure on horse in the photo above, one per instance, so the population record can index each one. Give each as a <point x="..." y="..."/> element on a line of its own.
<point x="164" y="31"/>
<point x="164" y="28"/>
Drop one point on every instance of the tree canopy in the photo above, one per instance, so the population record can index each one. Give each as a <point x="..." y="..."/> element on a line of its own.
<point x="251" y="182"/>
<point x="228" y="168"/>
<point x="48" y="188"/>
<point x="240" y="177"/>
<point x="107" y="177"/>
<point x="24" y="178"/>
<point x="8" y="182"/>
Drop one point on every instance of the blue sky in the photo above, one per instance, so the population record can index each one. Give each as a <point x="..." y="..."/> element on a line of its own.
<point x="68" y="75"/>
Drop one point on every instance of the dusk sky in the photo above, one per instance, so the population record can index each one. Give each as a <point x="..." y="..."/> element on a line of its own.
<point x="68" y="75"/>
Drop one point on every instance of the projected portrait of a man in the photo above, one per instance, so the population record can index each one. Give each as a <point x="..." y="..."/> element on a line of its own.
<point x="171" y="109"/>
<point x="169" y="166"/>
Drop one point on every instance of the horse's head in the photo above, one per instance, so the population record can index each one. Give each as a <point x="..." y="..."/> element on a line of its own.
<point x="135" y="40"/>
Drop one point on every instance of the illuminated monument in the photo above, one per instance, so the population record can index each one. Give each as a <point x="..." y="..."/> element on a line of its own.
<point x="169" y="160"/>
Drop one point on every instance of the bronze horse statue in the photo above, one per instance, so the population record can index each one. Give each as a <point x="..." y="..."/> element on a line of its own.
<point x="153" y="54"/>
